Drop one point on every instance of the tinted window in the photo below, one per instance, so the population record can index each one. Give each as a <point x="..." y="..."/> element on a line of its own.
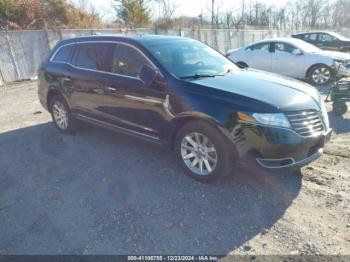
<point x="63" y="54"/>
<point x="127" y="61"/>
<point x="313" y="37"/>
<point x="327" y="38"/>
<point x="94" y="56"/>
<point x="260" y="47"/>
<point x="283" y="47"/>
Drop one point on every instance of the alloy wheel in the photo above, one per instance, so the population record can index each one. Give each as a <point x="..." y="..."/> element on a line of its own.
<point x="199" y="153"/>
<point x="60" y="115"/>
<point x="321" y="75"/>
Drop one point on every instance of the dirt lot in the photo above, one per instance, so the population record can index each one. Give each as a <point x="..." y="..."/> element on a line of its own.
<point x="102" y="193"/>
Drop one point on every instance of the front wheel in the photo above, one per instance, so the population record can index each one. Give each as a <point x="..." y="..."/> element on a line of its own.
<point x="203" y="152"/>
<point x="320" y="75"/>
<point x="61" y="115"/>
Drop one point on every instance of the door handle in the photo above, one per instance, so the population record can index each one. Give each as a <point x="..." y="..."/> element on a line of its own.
<point x="111" y="89"/>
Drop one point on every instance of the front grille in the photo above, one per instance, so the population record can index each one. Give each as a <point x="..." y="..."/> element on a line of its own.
<point x="306" y="122"/>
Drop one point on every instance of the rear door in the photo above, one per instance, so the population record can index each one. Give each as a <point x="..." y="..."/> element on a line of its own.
<point x="287" y="61"/>
<point x="259" y="56"/>
<point x="91" y="63"/>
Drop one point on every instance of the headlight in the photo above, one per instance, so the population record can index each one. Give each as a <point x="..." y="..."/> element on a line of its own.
<point x="270" y="119"/>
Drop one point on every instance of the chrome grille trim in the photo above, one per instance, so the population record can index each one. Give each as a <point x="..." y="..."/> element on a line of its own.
<point x="306" y="122"/>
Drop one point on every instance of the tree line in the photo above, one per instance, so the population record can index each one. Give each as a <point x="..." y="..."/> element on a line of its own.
<point x="295" y="14"/>
<point x="38" y="14"/>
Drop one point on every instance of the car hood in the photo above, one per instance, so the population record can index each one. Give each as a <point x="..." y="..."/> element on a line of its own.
<point x="284" y="94"/>
<point x="336" y="55"/>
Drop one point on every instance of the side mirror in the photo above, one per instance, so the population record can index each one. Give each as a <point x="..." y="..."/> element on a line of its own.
<point x="297" y="52"/>
<point x="148" y="74"/>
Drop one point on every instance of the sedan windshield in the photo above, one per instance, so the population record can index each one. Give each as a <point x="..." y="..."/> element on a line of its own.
<point x="309" y="48"/>
<point x="340" y="37"/>
<point x="188" y="59"/>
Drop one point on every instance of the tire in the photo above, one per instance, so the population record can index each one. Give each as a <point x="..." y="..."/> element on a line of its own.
<point x="61" y="115"/>
<point x="339" y="108"/>
<point x="320" y="75"/>
<point x="216" y="148"/>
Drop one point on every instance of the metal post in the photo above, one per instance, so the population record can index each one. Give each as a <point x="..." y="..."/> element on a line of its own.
<point x="12" y="53"/>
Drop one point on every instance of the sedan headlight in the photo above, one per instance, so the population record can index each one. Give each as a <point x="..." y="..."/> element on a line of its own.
<point x="270" y="119"/>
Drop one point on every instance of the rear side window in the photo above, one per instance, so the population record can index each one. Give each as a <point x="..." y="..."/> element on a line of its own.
<point x="128" y="61"/>
<point x="260" y="47"/>
<point x="94" y="56"/>
<point x="63" y="54"/>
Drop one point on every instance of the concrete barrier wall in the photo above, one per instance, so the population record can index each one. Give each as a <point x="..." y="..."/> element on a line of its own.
<point x="22" y="51"/>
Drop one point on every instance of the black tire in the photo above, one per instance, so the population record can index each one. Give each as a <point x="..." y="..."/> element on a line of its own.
<point x="70" y="128"/>
<point x="339" y="108"/>
<point x="223" y="152"/>
<point x="313" y="71"/>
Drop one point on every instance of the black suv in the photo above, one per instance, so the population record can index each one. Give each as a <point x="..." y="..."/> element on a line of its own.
<point x="326" y="40"/>
<point x="181" y="93"/>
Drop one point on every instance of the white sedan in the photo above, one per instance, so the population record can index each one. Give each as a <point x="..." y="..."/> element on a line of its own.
<point x="290" y="57"/>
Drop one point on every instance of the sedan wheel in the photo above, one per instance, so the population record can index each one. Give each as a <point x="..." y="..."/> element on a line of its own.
<point x="199" y="153"/>
<point x="203" y="151"/>
<point x="60" y="115"/>
<point x="321" y="75"/>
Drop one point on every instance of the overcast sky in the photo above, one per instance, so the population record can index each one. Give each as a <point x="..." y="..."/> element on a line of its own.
<point x="184" y="7"/>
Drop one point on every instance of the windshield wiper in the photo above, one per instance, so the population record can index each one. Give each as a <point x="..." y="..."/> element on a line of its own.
<point x="196" y="76"/>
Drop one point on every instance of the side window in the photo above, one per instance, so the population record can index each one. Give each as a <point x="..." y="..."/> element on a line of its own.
<point x="127" y="61"/>
<point x="63" y="54"/>
<point x="326" y="38"/>
<point x="94" y="56"/>
<point x="313" y="37"/>
<point x="260" y="47"/>
<point x="283" y="47"/>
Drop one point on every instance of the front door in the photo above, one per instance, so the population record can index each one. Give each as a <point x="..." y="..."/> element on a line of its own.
<point x="128" y="102"/>
<point x="287" y="60"/>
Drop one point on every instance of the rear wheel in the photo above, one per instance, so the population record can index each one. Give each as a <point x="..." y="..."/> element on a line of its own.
<point x="320" y="74"/>
<point x="61" y="115"/>
<point x="339" y="107"/>
<point x="203" y="152"/>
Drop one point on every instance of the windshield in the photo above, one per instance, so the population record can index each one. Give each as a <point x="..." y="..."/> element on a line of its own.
<point x="309" y="48"/>
<point x="190" y="58"/>
<point x="340" y="37"/>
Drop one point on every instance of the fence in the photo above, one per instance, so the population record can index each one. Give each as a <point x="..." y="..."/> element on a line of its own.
<point x="22" y="51"/>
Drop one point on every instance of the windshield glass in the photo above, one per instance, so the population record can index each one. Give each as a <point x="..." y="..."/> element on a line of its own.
<point x="190" y="58"/>
<point x="340" y="37"/>
<point x="309" y="48"/>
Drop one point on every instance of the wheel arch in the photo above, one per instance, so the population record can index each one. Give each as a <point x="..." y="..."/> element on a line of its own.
<point x="178" y="122"/>
<point x="54" y="89"/>
<point x="313" y="66"/>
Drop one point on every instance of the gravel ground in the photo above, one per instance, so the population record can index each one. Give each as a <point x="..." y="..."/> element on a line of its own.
<point x="98" y="192"/>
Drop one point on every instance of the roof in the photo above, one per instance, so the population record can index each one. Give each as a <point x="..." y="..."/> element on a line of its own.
<point x="315" y="32"/>
<point x="282" y="39"/>
<point x="146" y="39"/>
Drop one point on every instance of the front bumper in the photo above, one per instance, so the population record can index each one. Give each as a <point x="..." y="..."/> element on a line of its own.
<point x="277" y="148"/>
